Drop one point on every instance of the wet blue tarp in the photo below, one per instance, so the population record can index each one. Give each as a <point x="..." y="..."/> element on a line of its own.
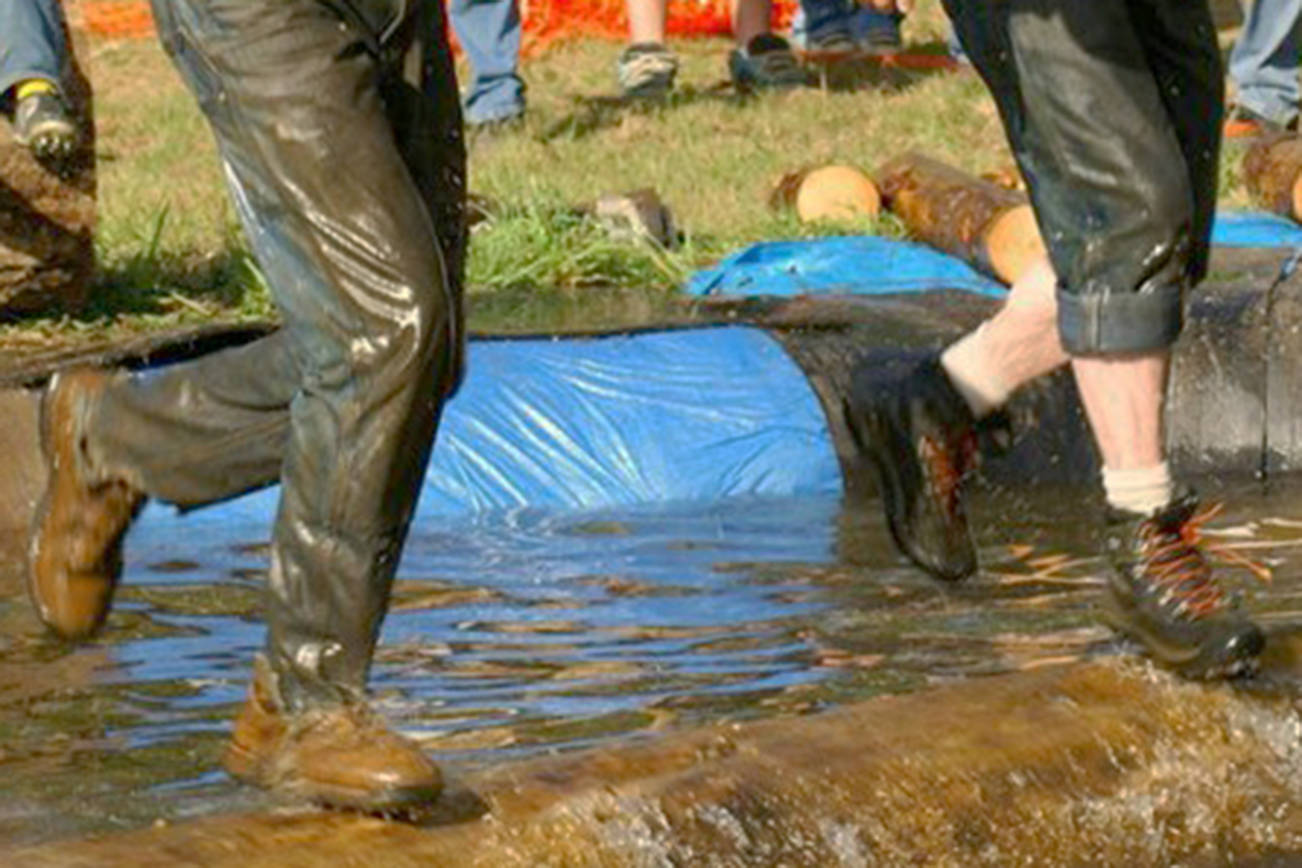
<point x="1255" y="229"/>
<point x="851" y="265"/>
<point x="589" y="423"/>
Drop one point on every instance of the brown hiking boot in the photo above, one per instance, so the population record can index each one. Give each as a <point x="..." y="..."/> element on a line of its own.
<point x="338" y="755"/>
<point x="76" y="549"/>
<point x="1163" y="593"/>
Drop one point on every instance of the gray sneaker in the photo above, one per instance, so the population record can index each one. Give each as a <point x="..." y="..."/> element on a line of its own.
<point x="766" y="62"/>
<point x="646" y="70"/>
<point x="43" y="124"/>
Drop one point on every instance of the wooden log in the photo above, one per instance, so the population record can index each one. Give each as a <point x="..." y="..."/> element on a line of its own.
<point x="47" y="216"/>
<point x="833" y="192"/>
<point x="989" y="226"/>
<point x="1272" y="172"/>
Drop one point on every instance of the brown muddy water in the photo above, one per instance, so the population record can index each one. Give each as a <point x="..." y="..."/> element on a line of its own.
<point x="531" y="634"/>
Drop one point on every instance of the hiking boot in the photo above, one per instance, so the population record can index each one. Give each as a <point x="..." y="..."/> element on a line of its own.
<point x="75" y="557"/>
<point x="766" y="62"/>
<point x="921" y="439"/>
<point x="1161" y="592"/>
<point x="1242" y="122"/>
<point x="339" y="755"/>
<point x="646" y="70"/>
<point x="43" y="124"/>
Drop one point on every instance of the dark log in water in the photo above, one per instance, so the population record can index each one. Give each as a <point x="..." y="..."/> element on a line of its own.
<point x="1272" y="172"/>
<point x="988" y="225"/>
<point x="47" y="218"/>
<point x="1088" y="764"/>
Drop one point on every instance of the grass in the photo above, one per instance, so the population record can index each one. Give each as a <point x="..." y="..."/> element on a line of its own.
<point x="172" y="254"/>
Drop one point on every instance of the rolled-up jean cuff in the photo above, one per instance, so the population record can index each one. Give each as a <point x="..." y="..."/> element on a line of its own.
<point x="1097" y="323"/>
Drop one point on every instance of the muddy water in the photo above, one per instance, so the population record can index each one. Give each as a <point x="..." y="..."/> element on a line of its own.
<point x="532" y="633"/>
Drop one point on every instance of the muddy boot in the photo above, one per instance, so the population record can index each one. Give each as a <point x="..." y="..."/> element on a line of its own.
<point x="76" y="548"/>
<point x="340" y="755"/>
<point x="921" y="438"/>
<point x="1161" y="592"/>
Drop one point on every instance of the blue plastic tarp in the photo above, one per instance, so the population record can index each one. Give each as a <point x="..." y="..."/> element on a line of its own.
<point x="1255" y="229"/>
<point x="588" y="423"/>
<point x="852" y="265"/>
<point x="869" y="265"/>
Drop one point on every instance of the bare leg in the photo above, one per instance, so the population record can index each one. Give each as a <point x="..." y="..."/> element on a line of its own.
<point x="750" y="18"/>
<point x="1011" y="348"/>
<point x="1123" y="396"/>
<point x="646" y="21"/>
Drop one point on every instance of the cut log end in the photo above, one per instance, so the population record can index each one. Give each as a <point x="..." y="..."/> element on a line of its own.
<point x="1013" y="243"/>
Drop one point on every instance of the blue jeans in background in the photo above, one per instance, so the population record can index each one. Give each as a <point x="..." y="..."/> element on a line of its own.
<point x="489" y="32"/>
<point x="1264" y="62"/>
<point x="31" y="42"/>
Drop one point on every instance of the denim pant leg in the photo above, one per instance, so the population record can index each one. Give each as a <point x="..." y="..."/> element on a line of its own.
<point x="1264" y="62"/>
<point x="31" y="41"/>
<point x="1113" y="110"/>
<point x="823" y="18"/>
<point x="489" y="31"/>
<point x="342" y="403"/>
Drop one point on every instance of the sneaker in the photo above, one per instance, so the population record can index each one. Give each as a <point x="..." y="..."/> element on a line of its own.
<point x="341" y="756"/>
<point x="43" y="124"/>
<point x="877" y="32"/>
<point x="766" y="62"/>
<point x="646" y="70"/>
<point x="921" y="439"/>
<point x="1242" y="122"/>
<point x="75" y="557"/>
<point x="1161" y="592"/>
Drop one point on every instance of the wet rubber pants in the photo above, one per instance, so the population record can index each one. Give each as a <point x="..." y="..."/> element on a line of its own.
<point x="1113" y="110"/>
<point x="346" y="162"/>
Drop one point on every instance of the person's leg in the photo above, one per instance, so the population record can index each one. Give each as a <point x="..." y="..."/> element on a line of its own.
<point x="761" y="59"/>
<point x="1122" y="176"/>
<point x="1264" y="62"/>
<point x="823" y="27"/>
<point x="33" y="55"/>
<point x="646" y="21"/>
<point x="31" y="42"/>
<point x="365" y="267"/>
<point x="489" y="31"/>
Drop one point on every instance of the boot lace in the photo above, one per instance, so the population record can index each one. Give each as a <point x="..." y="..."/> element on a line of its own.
<point x="1171" y="557"/>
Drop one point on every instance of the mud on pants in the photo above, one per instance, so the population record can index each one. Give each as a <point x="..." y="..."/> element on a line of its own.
<point x="340" y="134"/>
<point x="1113" y="109"/>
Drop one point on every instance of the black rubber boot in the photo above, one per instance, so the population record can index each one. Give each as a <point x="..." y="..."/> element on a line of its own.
<point x="1163" y="594"/>
<point x="921" y="438"/>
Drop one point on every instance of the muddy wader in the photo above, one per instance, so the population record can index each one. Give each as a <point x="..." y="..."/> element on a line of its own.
<point x="1113" y="110"/>
<point x="338" y="125"/>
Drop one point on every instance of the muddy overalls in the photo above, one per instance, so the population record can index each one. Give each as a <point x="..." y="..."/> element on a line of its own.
<point x="1113" y="109"/>
<point x="339" y="130"/>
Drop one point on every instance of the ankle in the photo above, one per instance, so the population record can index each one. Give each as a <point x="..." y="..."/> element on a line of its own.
<point x="1141" y="490"/>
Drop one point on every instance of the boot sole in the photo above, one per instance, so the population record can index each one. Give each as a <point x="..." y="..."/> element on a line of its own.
<point x="1192" y="662"/>
<point x="241" y="765"/>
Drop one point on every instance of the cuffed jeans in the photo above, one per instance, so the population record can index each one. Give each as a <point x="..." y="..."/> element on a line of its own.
<point x="346" y="162"/>
<point x="1264" y="62"/>
<point x="489" y="31"/>
<point x="1113" y="109"/>
<point x="31" y="42"/>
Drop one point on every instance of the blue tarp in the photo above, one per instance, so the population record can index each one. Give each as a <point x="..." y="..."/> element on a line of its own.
<point x="1255" y="229"/>
<point x="870" y="265"/>
<point x="852" y="265"/>
<point x="592" y="423"/>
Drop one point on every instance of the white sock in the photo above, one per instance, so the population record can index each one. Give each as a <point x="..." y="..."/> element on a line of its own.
<point x="969" y="368"/>
<point x="1141" y="490"/>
